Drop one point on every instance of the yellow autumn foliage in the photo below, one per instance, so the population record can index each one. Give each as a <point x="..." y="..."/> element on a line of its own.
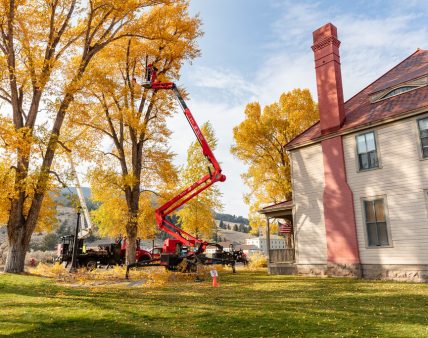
<point x="257" y="261"/>
<point x="47" y="51"/>
<point x="133" y="171"/>
<point x="47" y="220"/>
<point x="259" y="141"/>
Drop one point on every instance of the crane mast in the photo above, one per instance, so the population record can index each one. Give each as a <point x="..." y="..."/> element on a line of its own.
<point x="197" y="187"/>
<point x="86" y="229"/>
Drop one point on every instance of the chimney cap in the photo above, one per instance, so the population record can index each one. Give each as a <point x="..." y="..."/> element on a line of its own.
<point x="324" y="32"/>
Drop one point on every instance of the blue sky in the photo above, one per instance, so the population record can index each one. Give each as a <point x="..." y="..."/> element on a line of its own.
<point x="253" y="50"/>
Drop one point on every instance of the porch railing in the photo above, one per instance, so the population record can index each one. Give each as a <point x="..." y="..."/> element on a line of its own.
<point x="282" y="255"/>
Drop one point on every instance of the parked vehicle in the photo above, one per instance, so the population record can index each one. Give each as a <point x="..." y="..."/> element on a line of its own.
<point x="105" y="255"/>
<point x="156" y="252"/>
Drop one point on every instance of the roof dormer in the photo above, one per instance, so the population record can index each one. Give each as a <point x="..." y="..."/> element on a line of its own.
<point x="398" y="89"/>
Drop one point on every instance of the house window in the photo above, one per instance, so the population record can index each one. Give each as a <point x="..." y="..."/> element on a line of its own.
<point x="377" y="232"/>
<point x="423" y="134"/>
<point x="426" y="198"/>
<point x="399" y="91"/>
<point x="366" y="149"/>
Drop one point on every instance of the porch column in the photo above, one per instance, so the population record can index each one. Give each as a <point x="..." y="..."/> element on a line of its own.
<point x="268" y="239"/>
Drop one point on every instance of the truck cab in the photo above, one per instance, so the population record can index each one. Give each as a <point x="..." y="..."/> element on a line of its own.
<point x="141" y="255"/>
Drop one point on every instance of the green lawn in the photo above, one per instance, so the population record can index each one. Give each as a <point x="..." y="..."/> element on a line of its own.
<point x="248" y="304"/>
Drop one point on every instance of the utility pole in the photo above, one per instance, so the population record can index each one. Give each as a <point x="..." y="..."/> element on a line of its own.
<point x="73" y="267"/>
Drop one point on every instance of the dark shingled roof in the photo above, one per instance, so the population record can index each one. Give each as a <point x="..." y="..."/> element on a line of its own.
<point x="360" y="112"/>
<point x="277" y="206"/>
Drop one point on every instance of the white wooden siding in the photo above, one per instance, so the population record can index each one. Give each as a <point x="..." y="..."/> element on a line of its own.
<point x="308" y="187"/>
<point x="402" y="178"/>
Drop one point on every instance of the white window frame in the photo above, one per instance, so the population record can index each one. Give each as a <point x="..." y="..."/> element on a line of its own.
<point x="388" y="96"/>
<point x="388" y="223"/>
<point x="357" y="158"/>
<point x="415" y="83"/>
<point x="420" y="151"/>
<point x="426" y="199"/>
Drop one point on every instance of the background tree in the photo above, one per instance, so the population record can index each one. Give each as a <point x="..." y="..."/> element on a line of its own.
<point x="221" y="225"/>
<point x="49" y="242"/>
<point x="260" y="143"/>
<point x="138" y="166"/>
<point x="215" y="237"/>
<point x="197" y="215"/>
<point x="46" y="47"/>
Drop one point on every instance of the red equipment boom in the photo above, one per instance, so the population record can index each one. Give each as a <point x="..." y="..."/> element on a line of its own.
<point x="196" y="188"/>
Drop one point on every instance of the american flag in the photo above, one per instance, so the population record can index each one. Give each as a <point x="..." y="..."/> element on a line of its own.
<point x="285" y="228"/>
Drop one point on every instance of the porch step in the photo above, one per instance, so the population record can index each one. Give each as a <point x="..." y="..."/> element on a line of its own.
<point x="282" y="269"/>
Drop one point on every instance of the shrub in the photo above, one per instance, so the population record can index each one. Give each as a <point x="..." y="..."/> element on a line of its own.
<point x="36" y="257"/>
<point x="257" y="261"/>
<point x="49" y="242"/>
<point x="56" y="270"/>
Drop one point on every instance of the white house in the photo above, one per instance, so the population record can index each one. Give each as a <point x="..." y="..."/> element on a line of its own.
<point x="276" y="242"/>
<point x="360" y="174"/>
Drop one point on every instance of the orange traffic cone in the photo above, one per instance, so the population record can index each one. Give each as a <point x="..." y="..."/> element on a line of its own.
<point x="215" y="284"/>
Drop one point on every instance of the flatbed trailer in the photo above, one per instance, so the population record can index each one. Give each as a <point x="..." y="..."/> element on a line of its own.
<point x="105" y="255"/>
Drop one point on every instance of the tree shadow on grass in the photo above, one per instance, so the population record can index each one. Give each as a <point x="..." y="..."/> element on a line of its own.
<point x="342" y="316"/>
<point x="248" y="306"/>
<point x="84" y="328"/>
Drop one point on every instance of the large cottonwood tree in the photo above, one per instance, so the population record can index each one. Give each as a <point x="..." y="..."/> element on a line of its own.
<point x="46" y="47"/>
<point x="260" y="143"/>
<point x="135" y="168"/>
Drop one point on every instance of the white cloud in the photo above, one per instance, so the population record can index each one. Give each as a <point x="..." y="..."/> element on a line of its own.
<point x="227" y="81"/>
<point x="284" y="72"/>
<point x="294" y="21"/>
<point x="370" y="47"/>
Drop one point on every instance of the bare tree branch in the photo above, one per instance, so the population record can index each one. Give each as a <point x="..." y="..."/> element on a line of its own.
<point x="58" y="178"/>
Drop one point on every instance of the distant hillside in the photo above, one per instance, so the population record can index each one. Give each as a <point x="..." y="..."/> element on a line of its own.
<point x="72" y="190"/>
<point x="228" y="234"/>
<point x="68" y="194"/>
<point x="231" y="218"/>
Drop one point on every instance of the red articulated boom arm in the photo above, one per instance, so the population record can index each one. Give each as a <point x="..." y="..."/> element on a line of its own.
<point x="196" y="188"/>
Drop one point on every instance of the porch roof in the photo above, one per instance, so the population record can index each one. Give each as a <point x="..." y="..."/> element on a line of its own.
<point x="281" y="209"/>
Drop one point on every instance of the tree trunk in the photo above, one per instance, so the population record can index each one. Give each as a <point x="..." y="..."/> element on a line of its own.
<point x="131" y="239"/>
<point x="18" y="246"/>
<point x="16" y="228"/>
<point x="133" y="201"/>
<point x="132" y="225"/>
<point x="20" y="228"/>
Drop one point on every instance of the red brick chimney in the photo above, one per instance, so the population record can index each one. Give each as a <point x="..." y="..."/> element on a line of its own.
<point x="329" y="78"/>
<point x="338" y="201"/>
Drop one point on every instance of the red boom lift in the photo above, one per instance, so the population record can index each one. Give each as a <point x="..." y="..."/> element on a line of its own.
<point x="183" y="251"/>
